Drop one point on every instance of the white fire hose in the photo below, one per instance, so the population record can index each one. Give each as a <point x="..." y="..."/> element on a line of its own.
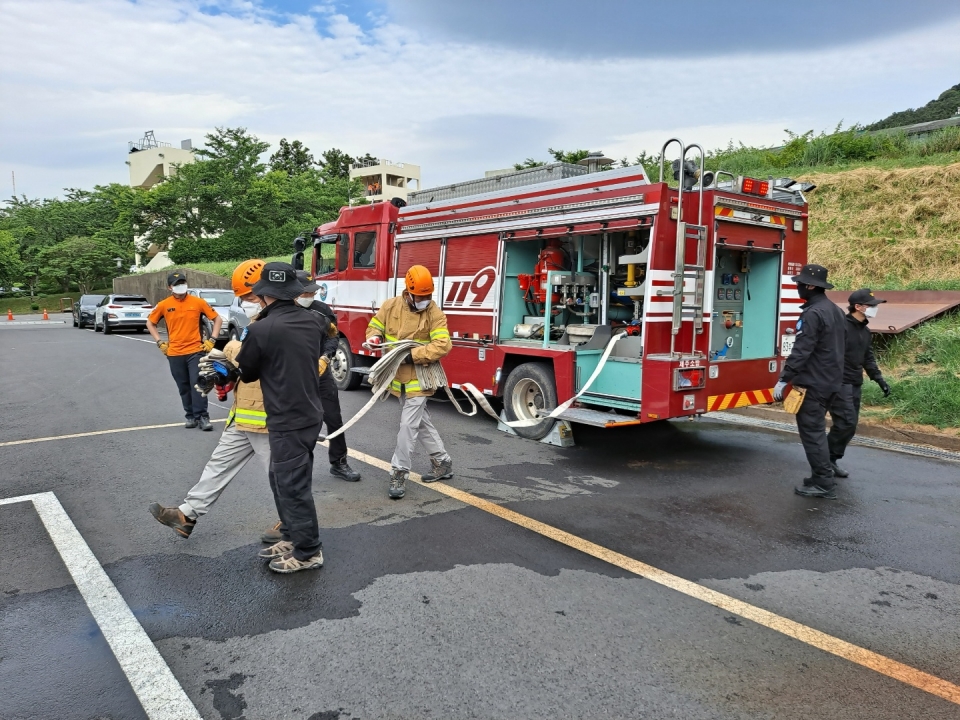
<point x="432" y="377"/>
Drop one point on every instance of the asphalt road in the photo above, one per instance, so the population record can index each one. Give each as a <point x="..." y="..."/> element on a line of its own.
<point x="428" y="607"/>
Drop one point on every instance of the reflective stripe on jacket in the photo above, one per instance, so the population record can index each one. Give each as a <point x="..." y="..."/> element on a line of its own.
<point x="247" y="411"/>
<point x="396" y="321"/>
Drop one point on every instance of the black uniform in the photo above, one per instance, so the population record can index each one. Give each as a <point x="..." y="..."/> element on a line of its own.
<point x="845" y="408"/>
<point x="329" y="395"/>
<point x="281" y="350"/>
<point x="816" y="363"/>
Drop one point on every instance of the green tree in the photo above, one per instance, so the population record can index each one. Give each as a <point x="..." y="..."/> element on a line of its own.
<point x="568" y="157"/>
<point x="528" y="163"/>
<point x="335" y="164"/>
<point x="292" y="158"/>
<point x="82" y="261"/>
<point x="11" y="267"/>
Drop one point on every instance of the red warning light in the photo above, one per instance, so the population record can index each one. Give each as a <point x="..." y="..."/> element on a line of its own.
<point x="752" y="186"/>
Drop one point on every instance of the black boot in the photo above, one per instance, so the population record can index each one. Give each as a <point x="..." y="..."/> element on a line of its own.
<point x="838" y="471"/>
<point x="190" y="423"/>
<point x="343" y="471"/>
<point x="205" y="423"/>
<point x="817" y="488"/>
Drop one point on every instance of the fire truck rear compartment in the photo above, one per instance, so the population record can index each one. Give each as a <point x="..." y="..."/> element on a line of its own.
<point x="589" y="286"/>
<point x="745" y="299"/>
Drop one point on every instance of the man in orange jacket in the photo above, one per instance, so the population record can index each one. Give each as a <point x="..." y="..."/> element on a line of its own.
<point x="184" y="346"/>
<point x="414" y="315"/>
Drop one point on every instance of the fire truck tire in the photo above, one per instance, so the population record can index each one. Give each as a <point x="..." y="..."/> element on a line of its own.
<point x="343" y="361"/>
<point x="531" y="389"/>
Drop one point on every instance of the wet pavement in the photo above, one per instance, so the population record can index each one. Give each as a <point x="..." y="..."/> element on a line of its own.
<point x="429" y="608"/>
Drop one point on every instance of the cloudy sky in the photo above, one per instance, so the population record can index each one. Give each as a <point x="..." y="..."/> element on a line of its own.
<point x="457" y="86"/>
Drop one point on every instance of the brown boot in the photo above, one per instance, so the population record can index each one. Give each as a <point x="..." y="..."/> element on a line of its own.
<point x="272" y="536"/>
<point x="172" y="517"/>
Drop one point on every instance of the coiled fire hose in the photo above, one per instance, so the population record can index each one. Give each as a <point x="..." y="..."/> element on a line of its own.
<point x="432" y="377"/>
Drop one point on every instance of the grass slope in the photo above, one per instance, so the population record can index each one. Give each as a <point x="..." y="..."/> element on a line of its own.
<point x="888" y="228"/>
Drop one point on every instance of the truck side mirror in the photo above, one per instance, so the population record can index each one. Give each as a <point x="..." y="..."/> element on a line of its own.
<point x="297" y="260"/>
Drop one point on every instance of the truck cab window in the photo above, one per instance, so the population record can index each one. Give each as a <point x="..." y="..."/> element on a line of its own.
<point x="343" y="252"/>
<point x="326" y="258"/>
<point x="365" y="249"/>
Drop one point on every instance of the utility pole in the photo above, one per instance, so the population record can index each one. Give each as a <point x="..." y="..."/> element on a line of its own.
<point x="13" y="179"/>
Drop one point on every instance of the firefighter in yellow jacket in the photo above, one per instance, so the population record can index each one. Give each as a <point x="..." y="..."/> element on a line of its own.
<point x="244" y="436"/>
<point x="414" y="316"/>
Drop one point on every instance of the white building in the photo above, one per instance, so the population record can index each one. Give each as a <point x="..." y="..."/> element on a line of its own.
<point x="150" y="161"/>
<point x="384" y="180"/>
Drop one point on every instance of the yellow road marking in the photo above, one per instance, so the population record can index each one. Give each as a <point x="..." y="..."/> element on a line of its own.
<point x="96" y="432"/>
<point x="835" y="646"/>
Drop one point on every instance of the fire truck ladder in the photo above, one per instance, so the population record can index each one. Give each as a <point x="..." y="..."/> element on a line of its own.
<point x="681" y="270"/>
<point x="684" y="271"/>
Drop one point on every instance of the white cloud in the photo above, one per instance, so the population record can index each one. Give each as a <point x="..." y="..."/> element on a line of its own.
<point x="81" y="79"/>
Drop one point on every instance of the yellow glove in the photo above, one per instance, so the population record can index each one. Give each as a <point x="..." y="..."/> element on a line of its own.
<point x="207" y="345"/>
<point x="322" y="365"/>
<point x="163" y="345"/>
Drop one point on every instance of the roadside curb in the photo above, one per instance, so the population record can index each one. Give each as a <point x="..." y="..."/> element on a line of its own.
<point x="880" y="432"/>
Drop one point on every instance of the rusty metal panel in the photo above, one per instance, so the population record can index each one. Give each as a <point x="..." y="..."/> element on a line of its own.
<point x="904" y="308"/>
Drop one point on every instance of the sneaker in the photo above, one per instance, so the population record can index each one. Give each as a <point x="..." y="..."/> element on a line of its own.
<point x="190" y="423"/>
<point x="287" y="563"/>
<point x="272" y="536"/>
<point x="343" y="471"/>
<point x="398" y="481"/>
<point x="205" y="423"/>
<point x="442" y="469"/>
<point x="816" y="491"/>
<point x="276" y="550"/>
<point x="172" y="517"/>
<point x="838" y="471"/>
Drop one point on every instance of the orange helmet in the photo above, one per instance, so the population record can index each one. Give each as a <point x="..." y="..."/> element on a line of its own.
<point x="246" y="276"/>
<point x="419" y="281"/>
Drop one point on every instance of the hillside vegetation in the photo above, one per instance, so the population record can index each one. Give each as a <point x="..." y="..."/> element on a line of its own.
<point x="943" y="107"/>
<point x="887" y="228"/>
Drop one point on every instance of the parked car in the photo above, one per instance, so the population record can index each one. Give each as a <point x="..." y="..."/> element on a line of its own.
<point x="240" y="314"/>
<point x="220" y="301"/>
<point x="122" y="312"/>
<point x="15" y="291"/>
<point x="85" y="309"/>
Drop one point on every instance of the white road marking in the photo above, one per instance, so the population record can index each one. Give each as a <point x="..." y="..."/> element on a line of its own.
<point x="149" y="675"/>
<point x="98" y="432"/>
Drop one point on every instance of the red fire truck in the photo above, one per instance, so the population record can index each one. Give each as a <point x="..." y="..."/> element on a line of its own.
<point x="537" y="270"/>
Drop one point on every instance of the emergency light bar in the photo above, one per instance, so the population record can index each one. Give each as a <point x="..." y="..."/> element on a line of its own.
<point x="752" y="186"/>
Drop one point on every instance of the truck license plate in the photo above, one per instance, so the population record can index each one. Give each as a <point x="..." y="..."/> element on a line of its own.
<point x="786" y="344"/>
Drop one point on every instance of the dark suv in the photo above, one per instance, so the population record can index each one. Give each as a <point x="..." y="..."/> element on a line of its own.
<point x="84" y="310"/>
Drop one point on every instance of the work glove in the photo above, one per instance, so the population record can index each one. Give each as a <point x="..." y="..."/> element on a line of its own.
<point x="322" y="364"/>
<point x="163" y="345"/>
<point x="207" y="345"/>
<point x="778" y="390"/>
<point x="375" y="341"/>
<point x="884" y="386"/>
<point x="218" y="363"/>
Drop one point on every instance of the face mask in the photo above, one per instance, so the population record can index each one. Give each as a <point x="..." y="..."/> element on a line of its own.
<point x="250" y="309"/>
<point x="180" y="289"/>
<point x="422" y="305"/>
<point x="871" y="311"/>
<point x="805" y="292"/>
<point x="306" y="301"/>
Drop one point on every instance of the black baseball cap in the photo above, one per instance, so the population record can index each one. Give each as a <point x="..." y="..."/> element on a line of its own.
<point x="278" y="280"/>
<point x="864" y="296"/>
<point x="309" y="285"/>
<point x="815" y="275"/>
<point x="178" y="276"/>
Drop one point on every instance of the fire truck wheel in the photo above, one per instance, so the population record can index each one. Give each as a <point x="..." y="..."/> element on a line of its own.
<point x="531" y="391"/>
<point x="340" y="367"/>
